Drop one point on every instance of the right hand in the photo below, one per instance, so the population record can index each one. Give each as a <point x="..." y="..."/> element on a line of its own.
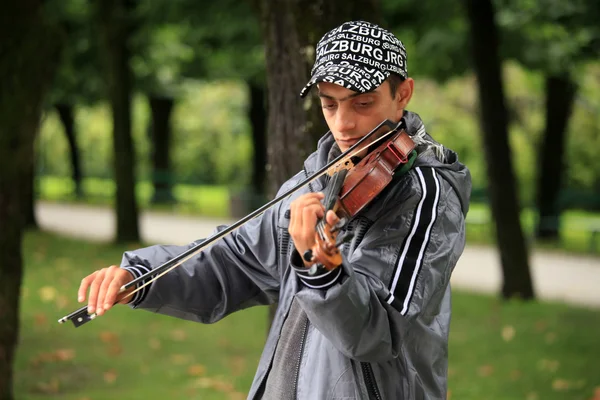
<point x="104" y="288"/>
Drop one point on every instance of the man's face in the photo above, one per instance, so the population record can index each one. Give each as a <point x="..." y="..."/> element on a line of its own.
<point x="351" y="115"/>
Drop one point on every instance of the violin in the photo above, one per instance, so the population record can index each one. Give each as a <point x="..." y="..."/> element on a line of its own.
<point x="351" y="190"/>
<point x="355" y="181"/>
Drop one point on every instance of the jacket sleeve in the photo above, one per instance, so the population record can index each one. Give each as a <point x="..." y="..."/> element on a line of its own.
<point x="398" y="273"/>
<point x="231" y="274"/>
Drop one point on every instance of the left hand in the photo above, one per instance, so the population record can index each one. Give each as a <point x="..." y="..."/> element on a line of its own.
<point x="306" y="211"/>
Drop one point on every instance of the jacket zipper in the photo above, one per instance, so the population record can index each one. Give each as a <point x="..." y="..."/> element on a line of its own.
<point x="299" y="361"/>
<point x="370" y="381"/>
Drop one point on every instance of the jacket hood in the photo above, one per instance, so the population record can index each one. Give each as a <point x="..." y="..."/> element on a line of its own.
<point x="430" y="154"/>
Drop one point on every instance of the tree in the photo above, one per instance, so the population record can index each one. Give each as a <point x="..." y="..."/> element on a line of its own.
<point x="553" y="37"/>
<point x="502" y="186"/>
<point x="560" y="97"/>
<point x="27" y="64"/>
<point x="78" y="78"/>
<point x="160" y="134"/>
<point x="115" y="23"/>
<point x="291" y="29"/>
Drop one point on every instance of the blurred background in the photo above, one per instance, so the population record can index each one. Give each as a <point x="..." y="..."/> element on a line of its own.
<point x="125" y="123"/>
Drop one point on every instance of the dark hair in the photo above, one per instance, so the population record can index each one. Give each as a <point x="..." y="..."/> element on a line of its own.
<point x="395" y="80"/>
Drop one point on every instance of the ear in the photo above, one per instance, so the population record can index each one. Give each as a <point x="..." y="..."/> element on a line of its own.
<point x="403" y="95"/>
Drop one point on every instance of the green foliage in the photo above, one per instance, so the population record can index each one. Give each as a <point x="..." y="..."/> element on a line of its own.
<point x="211" y="201"/>
<point x="435" y="36"/>
<point x="451" y="115"/>
<point x="179" y="40"/>
<point x="211" y="137"/>
<point x="550" y="35"/>
<point x="497" y="350"/>
<point x="77" y="80"/>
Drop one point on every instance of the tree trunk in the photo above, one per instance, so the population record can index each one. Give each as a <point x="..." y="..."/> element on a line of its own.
<point x="160" y="132"/>
<point x="65" y="112"/>
<point x="257" y="114"/>
<point x="502" y="184"/>
<point x="317" y="17"/>
<point x="560" y="95"/>
<point x="29" y="183"/>
<point x="27" y="62"/>
<point x="290" y="28"/>
<point x="288" y="142"/>
<point x="114" y="20"/>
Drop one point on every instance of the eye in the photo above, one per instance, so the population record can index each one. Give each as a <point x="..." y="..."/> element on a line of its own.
<point x="363" y="102"/>
<point x="328" y="106"/>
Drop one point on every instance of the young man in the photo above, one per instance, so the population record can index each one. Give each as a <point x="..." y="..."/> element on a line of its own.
<point x="377" y="326"/>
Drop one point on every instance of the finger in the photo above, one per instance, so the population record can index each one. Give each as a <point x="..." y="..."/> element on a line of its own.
<point x="108" y="279"/>
<point x="83" y="287"/>
<point x="310" y="216"/>
<point x="94" y="287"/>
<point x="332" y="218"/>
<point x="122" y="277"/>
<point x="111" y="294"/>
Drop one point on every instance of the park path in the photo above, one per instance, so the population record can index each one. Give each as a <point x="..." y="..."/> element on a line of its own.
<point x="572" y="279"/>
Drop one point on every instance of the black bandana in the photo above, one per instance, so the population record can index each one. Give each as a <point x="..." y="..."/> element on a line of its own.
<point x="359" y="56"/>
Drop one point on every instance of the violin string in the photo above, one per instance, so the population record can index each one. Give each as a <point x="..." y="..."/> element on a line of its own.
<point x="320" y="227"/>
<point x="349" y="156"/>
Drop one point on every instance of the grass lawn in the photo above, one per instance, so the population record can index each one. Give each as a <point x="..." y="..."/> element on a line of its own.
<point x="498" y="350"/>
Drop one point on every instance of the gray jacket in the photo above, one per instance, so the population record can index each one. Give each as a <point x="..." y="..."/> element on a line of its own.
<point x="381" y="331"/>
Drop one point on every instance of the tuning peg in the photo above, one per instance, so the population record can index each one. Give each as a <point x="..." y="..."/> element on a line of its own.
<point x="344" y="238"/>
<point x="339" y="225"/>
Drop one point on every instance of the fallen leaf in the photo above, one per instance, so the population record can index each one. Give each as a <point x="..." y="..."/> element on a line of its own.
<point x="178" y="335"/>
<point x="541" y="326"/>
<point x="561" y="384"/>
<point x="449" y="394"/>
<point x="108" y="337"/>
<point x="62" y="302"/>
<point x="508" y="333"/>
<point x="51" y="387"/>
<point x="237" y="365"/>
<point x="110" y="376"/>
<point x="196" y="370"/>
<point x="548" y="365"/>
<point x="49" y="357"/>
<point x="65" y="354"/>
<point x="179" y="359"/>
<point x="532" y="396"/>
<point x="62" y="264"/>
<point x="115" y="349"/>
<point x="47" y="294"/>
<point x="40" y="319"/>
<point x="215" y="383"/>
<point x="237" y="396"/>
<point x="154" y="343"/>
<point x="485" y="370"/>
<point x="515" y="374"/>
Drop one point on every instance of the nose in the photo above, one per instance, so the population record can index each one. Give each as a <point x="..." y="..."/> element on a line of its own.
<point x="344" y="119"/>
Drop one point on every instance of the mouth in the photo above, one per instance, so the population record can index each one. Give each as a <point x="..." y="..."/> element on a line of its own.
<point x="349" y="142"/>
